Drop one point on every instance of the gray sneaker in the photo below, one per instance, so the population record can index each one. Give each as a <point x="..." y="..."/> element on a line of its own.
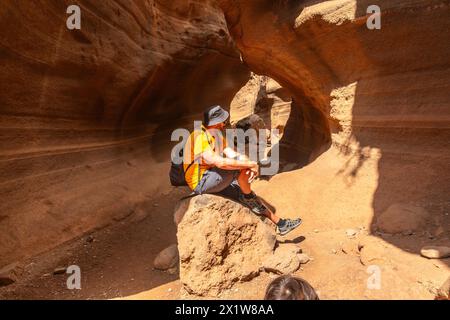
<point x="253" y="204"/>
<point x="289" y="225"/>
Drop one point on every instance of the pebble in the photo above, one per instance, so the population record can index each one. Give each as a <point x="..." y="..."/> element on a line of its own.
<point x="304" y="258"/>
<point x="334" y="251"/>
<point x="316" y="230"/>
<point x="435" y="252"/>
<point x="60" y="270"/>
<point x="351" y="232"/>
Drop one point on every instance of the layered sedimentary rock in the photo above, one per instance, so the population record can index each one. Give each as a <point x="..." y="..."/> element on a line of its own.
<point x="86" y="114"/>
<point x="383" y="95"/>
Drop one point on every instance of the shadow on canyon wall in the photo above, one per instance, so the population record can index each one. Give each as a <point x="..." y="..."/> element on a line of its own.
<point x="184" y="91"/>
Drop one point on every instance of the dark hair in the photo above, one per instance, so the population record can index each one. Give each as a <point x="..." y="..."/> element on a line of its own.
<point x="290" y="288"/>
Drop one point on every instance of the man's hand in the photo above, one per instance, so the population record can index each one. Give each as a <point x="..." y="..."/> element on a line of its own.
<point x="252" y="175"/>
<point x="253" y="172"/>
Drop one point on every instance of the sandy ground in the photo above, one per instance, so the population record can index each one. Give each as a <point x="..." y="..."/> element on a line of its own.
<point x="116" y="262"/>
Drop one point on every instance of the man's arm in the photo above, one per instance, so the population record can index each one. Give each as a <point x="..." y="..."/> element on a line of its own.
<point x="228" y="164"/>
<point x="232" y="154"/>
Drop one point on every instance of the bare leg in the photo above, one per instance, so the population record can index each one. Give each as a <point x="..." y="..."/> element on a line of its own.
<point x="243" y="182"/>
<point x="272" y="216"/>
<point x="246" y="189"/>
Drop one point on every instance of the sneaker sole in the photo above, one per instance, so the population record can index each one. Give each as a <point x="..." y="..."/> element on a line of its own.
<point x="286" y="232"/>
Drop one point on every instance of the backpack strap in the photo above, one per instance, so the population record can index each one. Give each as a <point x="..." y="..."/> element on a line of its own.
<point x="209" y="143"/>
<point x="198" y="176"/>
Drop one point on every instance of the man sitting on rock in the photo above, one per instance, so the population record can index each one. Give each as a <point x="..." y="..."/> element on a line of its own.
<point x="207" y="171"/>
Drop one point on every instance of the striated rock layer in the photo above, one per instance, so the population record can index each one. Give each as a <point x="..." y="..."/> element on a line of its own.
<point x="78" y="108"/>
<point x="383" y="95"/>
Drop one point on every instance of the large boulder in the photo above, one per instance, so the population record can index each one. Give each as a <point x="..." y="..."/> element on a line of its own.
<point x="401" y="217"/>
<point x="221" y="242"/>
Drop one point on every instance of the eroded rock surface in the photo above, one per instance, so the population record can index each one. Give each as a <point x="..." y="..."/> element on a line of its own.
<point x="221" y="242"/>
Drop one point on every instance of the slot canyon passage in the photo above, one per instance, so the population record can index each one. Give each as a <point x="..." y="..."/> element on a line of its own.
<point x="86" y="118"/>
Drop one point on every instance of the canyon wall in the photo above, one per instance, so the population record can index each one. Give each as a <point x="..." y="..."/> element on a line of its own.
<point x="383" y="95"/>
<point x="85" y="114"/>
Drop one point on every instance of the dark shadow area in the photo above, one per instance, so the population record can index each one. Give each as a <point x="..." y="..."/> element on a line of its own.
<point x="268" y="204"/>
<point x="184" y="92"/>
<point x="296" y="240"/>
<point x="233" y="192"/>
<point x="306" y="136"/>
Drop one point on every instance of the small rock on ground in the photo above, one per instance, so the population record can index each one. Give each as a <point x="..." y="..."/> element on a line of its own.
<point x="167" y="258"/>
<point x="351" y="232"/>
<point x="304" y="258"/>
<point x="60" y="270"/>
<point x="435" y="252"/>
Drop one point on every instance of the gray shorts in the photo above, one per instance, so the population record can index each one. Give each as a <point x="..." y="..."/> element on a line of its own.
<point x="219" y="181"/>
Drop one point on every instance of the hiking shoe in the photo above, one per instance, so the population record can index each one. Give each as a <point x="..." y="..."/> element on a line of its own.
<point x="288" y="226"/>
<point x="253" y="203"/>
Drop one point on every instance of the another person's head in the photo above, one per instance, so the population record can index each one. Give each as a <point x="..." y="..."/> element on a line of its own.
<point x="290" y="288"/>
<point x="215" y="117"/>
